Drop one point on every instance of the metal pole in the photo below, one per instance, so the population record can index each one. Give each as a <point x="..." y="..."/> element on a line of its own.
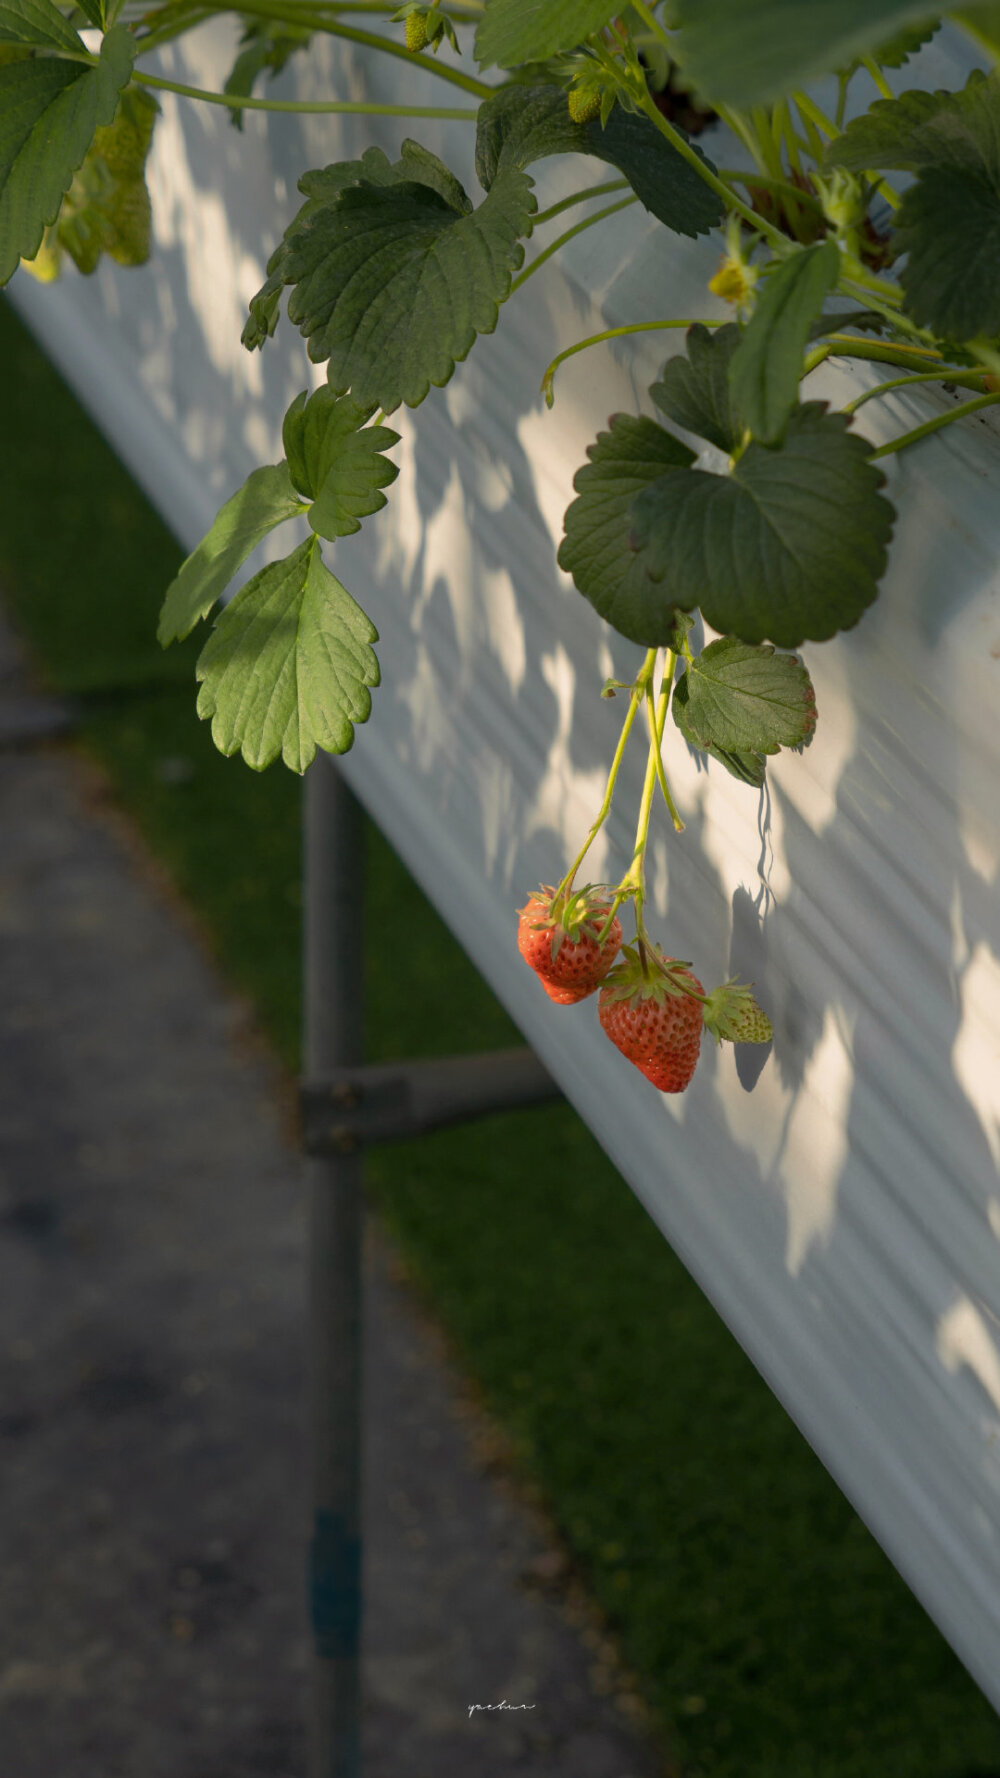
<point x="333" y="1011"/>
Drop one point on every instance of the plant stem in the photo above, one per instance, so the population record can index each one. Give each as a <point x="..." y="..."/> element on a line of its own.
<point x="655" y="739"/>
<point x="963" y="379"/>
<point x="652" y="24"/>
<point x="300" y="15"/>
<point x="636" y="694"/>
<point x="810" y="111"/>
<point x="560" y="240"/>
<point x="634" y="881"/>
<point x="957" y="413"/>
<point x="879" y="351"/>
<point x="235" y="102"/>
<point x="871" y="67"/>
<point x="611" y="333"/>
<point x="578" y="197"/>
<point x="745" y="177"/>
<point x="721" y="189"/>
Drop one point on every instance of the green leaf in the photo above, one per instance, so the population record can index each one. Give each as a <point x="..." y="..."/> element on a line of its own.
<point x="49" y="112"/>
<point x="515" y="31"/>
<point x="982" y="22"/>
<point x="288" y="665"/>
<point x="742" y="54"/>
<point x="107" y="209"/>
<point x="694" y="391"/>
<point x="766" y="368"/>
<point x="633" y="455"/>
<point x="745" y="700"/>
<point x="264" y="501"/>
<point x="37" y="22"/>
<point x="97" y="13"/>
<point x="337" y="461"/>
<point x="898" y="48"/>
<point x="788" y="547"/>
<point x="521" y="125"/>
<point x="267" y="44"/>
<point x="925" y="130"/>
<point x="394" y="273"/>
<point x="839" y="320"/>
<point x="749" y="768"/>
<point x="948" y="224"/>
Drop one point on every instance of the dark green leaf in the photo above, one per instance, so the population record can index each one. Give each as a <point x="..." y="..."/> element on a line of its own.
<point x="337" y="461"/>
<point x="744" y="54"/>
<point x="749" y="768"/>
<point x="982" y="22"/>
<point x="288" y="665"/>
<point x="97" y="13"/>
<point x="37" y="22"/>
<point x="268" y="44"/>
<point x="524" y="125"/>
<point x="515" y="31"/>
<point x="394" y="274"/>
<point x="766" y="367"/>
<point x="898" y="48"/>
<point x="742" y="699"/>
<point x="694" y="391"/>
<point x="49" y="112"/>
<point x="265" y="500"/>
<point x="948" y="225"/>
<point x="838" y="321"/>
<point x="633" y="455"/>
<point x="789" y="547"/>
<point x="920" y="129"/>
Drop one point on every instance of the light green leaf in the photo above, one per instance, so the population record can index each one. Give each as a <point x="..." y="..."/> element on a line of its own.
<point x="37" y="22"/>
<point x="694" y="391"/>
<point x="743" y="54"/>
<point x="740" y="699"/>
<point x="766" y="368"/>
<point x="633" y="455"/>
<point x="49" y="112"/>
<point x="288" y="665"/>
<point x="521" y="125"/>
<point x="394" y="273"/>
<point x="788" y="547"/>
<point x="264" y="501"/>
<point x="337" y="461"/>
<point x="515" y="31"/>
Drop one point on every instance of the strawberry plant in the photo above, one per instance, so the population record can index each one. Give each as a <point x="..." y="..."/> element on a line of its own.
<point x="734" y="496"/>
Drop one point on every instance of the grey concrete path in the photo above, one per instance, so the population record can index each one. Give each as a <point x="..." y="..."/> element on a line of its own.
<point x="152" y="1479"/>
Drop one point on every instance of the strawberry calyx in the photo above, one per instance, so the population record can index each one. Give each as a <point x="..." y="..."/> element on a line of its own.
<point x="732" y="1015"/>
<point x="645" y="972"/>
<point x="571" y="913"/>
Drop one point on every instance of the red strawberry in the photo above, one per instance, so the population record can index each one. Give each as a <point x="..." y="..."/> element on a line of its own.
<point x="653" y="1017"/>
<point x="558" y="936"/>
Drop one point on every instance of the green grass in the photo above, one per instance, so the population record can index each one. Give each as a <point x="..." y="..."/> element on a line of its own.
<point x="767" y="1629"/>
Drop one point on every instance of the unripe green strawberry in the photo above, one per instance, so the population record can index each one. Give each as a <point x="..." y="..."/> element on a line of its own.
<point x="559" y="937"/>
<point x="732" y="1015"/>
<point x="416" y="32"/>
<point x="584" y="103"/>
<point x="653" y="1015"/>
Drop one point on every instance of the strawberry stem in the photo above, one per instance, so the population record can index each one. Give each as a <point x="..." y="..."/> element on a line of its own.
<point x="634" y="881"/>
<point x="637" y="692"/>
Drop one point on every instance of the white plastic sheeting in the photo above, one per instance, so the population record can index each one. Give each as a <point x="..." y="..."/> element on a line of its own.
<point x="841" y="1204"/>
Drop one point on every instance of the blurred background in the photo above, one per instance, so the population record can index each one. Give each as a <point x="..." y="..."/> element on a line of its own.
<point x="750" y="1626"/>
